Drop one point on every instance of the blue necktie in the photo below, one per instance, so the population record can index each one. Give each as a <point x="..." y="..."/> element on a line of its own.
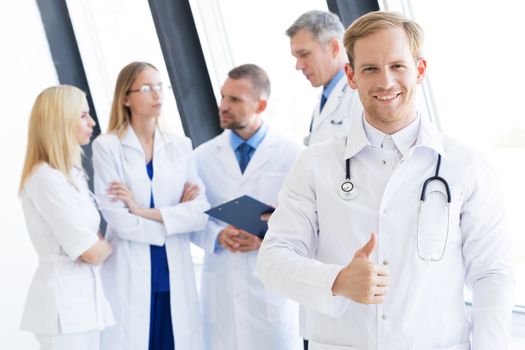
<point x="323" y="101"/>
<point x="244" y="150"/>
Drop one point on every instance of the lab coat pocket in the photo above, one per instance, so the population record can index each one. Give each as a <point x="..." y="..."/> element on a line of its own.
<point x="76" y="281"/>
<point x="270" y="185"/>
<point x="437" y="223"/>
<point x="76" y="298"/>
<point x="208" y="288"/>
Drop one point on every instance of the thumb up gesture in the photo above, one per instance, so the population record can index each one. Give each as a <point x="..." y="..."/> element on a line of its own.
<point x="362" y="280"/>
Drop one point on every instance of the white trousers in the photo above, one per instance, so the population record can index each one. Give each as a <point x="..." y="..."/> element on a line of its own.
<point x="77" y="341"/>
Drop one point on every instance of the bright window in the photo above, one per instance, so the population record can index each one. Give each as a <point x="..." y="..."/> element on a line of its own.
<point x="254" y="32"/>
<point x="28" y="70"/>
<point x="475" y="62"/>
<point x="111" y="34"/>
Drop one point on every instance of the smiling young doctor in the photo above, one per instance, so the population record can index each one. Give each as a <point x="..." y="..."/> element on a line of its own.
<point x="377" y="233"/>
<point x="66" y="307"/>
<point x="152" y="200"/>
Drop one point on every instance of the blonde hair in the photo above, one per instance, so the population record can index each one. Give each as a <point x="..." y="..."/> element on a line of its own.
<point x="120" y="117"/>
<point x="51" y="136"/>
<point x="380" y="20"/>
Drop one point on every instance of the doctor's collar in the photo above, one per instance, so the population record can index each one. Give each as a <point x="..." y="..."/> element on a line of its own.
<point x="429" y="136"/>
<point x="254" y="140"/>
<point x="328" y="88"/>
<point x="403" y="139"/>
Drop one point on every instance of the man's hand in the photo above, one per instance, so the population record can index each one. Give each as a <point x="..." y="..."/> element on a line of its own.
<point x="236" y="240"/>
<point x="226" y="238"/>
<point x="362" y="280"/>
<point x="247" y="241"/>
<point x="266" y="216"/>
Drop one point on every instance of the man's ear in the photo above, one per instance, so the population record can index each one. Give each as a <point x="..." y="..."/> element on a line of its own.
<point x="262" y="106"/>
<point x="421" y="69"/>
<point x="350" y="76"/>
<point x="335" y="47"/>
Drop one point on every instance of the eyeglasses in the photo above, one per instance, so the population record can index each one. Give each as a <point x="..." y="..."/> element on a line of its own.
<point x="148" y="89"/>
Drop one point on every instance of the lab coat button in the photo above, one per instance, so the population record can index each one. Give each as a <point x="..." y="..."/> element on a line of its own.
<point x="383" y="316"/>
<point x="385" y="262"/>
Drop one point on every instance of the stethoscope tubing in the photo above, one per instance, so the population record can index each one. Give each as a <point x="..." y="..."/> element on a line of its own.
<point x="347" y="192"/>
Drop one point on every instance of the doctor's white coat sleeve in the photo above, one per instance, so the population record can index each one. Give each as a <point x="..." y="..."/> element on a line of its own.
<point x="58" y="203"/>
<point x="486" y="253"/>
<point x="207" y="238"/>
<point x="285" y="263"/>
<point x="188" y="216"/>
<point x="128" y="226"/>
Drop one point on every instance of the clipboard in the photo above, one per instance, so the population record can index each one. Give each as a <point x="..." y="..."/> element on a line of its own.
<point x="243" y="212"/>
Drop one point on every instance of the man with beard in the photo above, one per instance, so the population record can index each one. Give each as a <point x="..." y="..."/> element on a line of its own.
<point x="248" y="158"/>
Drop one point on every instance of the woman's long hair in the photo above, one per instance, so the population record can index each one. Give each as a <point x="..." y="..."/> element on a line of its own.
<point x="120" y="117"/>
<point x="52" y="130"/>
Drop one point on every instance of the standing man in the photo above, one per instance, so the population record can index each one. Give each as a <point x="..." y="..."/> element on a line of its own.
<point x="378" y="233"/>
<point x="316" y="43"/>
<point x="248" y="158"/>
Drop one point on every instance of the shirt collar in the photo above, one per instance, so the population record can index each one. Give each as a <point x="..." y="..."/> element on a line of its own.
<point x="420" y="133"/>
<point x="406" y="138"/>
<point x="430" y="137"/>
<point x="332" y="83"/>
<point x="374" y="136"/>
<point x="254" y="140"/>
<point x="131" y="139"/>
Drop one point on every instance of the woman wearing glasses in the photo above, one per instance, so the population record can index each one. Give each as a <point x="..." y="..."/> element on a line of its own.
<point x="66" y="307"/>
<point x="152" y="200"/>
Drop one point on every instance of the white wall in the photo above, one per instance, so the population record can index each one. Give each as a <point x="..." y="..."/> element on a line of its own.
<point x="28" y="69"/>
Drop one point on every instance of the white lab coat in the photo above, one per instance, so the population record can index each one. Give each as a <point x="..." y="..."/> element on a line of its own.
<point x="238" y="312"/>
<point x="66" y="294"/>
<point x="127" y="274"/>
<point x="314" y="233"/>
<point x="343" y="106"/>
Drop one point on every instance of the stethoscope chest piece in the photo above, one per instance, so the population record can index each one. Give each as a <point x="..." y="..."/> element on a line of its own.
<point x="347" y="190"/>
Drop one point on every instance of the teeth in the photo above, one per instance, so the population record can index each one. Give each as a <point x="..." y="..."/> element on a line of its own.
<point x="386" y="97"/>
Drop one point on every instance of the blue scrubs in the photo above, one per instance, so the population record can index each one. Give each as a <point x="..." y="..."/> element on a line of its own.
<point x="160" y="326"/>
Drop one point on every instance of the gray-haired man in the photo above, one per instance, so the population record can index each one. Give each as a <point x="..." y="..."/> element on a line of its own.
<point x="316" y="43"/>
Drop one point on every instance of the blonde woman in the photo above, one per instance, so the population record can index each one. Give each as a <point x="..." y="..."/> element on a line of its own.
<point x="65" y="307"/>
<point x="152" y="200"/>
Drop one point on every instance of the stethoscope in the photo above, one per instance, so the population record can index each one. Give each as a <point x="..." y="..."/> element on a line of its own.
<point x="348" y="191"/>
